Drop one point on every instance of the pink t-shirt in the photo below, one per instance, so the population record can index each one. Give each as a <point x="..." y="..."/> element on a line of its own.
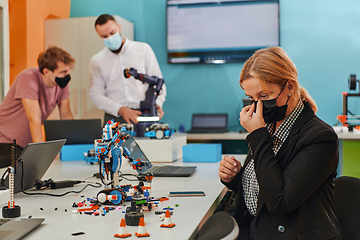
<point x="14" y="123"/>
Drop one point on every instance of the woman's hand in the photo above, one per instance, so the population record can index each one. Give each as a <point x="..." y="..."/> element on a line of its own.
<point x="251" y="121"/>
<point x="229" y="167"/>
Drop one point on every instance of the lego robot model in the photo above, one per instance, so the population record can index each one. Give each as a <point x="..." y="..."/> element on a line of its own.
<point x="110" y="154"/>
<point x="148" y="106"/>
<point x="108" y="132"/>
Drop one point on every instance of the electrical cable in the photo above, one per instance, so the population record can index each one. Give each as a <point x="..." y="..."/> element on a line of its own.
<point x="129" y="174"/>
<point x="56" y="195"/>
<point x="131" y="179"/>
<point x="6" y="171"/>
<point x="358" y="118"/>
<point x="120" y="176"/>
<point x="101" y="176"/>
<point x="2" y="181"/>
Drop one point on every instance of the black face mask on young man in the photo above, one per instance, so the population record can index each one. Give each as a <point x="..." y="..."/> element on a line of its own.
<point x="271" y="112"/>
<point x="62" y="82"/>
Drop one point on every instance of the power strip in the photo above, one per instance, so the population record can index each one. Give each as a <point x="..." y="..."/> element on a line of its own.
<point x="4" y="196"/>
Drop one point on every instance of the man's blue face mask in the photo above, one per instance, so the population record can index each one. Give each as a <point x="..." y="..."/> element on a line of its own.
<point x="113" y="42"/>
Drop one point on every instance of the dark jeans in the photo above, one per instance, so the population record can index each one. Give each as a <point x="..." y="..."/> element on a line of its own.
<point x="5" y="154"/>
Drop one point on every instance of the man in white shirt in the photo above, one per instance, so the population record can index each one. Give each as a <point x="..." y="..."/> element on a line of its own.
<point x="111" y="91"/>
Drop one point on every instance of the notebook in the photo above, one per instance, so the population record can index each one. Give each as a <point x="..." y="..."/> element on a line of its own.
<point x="209" y="123"/>
<point x="157" y="171"/>
<point x="36" y="159"/>
<point x="16" y="228"/>
<point x="75" y="131"/>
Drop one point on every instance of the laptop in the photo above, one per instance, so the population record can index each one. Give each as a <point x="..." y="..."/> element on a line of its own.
<point x="36" y="159"/>
<point x="209" y="123"/>
<point x="75" y="131"/>
<point x="157" y="171"/>
<point x="16" y="228"/>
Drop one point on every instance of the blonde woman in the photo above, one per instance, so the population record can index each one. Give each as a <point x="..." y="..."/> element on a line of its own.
<point x="285" y="188"/>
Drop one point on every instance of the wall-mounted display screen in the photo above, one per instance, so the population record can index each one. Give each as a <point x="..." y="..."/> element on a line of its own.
<point x="210" y="31"/>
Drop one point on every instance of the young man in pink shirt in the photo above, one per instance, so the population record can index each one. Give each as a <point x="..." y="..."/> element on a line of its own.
<point x="32" y="97"/>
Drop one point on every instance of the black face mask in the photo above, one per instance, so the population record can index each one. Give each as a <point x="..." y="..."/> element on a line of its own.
<point x="62" y="82"/>
<point x="271" y="112"/>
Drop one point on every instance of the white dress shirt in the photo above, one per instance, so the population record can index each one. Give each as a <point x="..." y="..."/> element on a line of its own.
<point x="110" y="90"/>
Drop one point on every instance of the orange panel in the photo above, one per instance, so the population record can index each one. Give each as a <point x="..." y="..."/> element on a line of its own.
<point x="17" y="19"/>
<point x="27" y="30"/>
<point x="37" y="11"/>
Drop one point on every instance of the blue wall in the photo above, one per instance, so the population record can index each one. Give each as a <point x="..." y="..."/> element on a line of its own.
<point x="322" y="38"/>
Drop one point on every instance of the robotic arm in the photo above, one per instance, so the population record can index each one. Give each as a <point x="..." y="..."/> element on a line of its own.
<point x="148" y="106"/>
<point x="139" y="165"/>
<point x="109" y="152"/>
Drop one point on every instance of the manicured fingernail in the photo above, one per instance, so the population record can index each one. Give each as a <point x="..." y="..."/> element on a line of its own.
<point x="235" y="164"/>
<point x="235" y="169"/>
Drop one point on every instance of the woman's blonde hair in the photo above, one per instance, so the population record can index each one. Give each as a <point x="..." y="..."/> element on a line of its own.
<point x="273" y="65"/>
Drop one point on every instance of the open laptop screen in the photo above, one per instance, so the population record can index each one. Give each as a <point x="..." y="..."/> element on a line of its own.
<point x="158" y="171"/>
<point x="136" y="152"/>
<point x="36" y="159"/>
<point x="209" y="123"/>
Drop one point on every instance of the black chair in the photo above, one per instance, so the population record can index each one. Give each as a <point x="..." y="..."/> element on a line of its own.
<point x="347" y="205"/>
<point x="221" y="225"/>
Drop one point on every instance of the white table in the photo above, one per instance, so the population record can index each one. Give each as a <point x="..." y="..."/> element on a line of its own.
<point x="59" y="224"/>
